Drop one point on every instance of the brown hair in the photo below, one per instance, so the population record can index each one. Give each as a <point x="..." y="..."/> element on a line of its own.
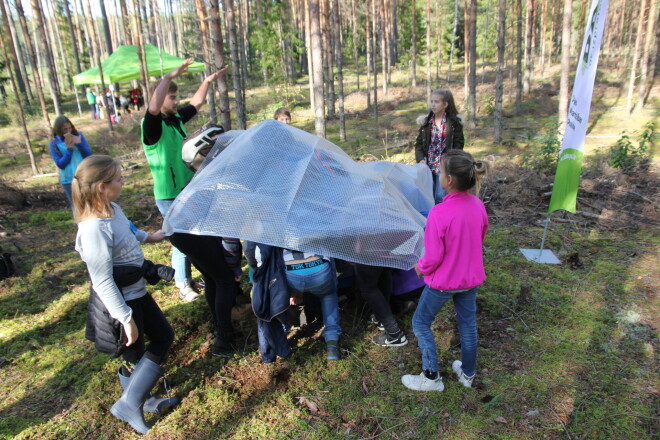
<point x="282" y="111"/>
<point x="173" y="88"/>
<point x="88" y="200"/>
<point x="58" y="126"/>
<point x="447" y="97"/>
<point x="464" y="169"/>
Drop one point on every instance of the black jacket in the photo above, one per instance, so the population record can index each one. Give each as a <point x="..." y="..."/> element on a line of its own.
<point x="454" y="136"/>
<point x="102" y="329"/>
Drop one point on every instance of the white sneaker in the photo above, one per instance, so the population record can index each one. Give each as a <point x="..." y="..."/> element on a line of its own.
<point x="462" y="377"/>
<point x="422" y="383"/>
<point x="187" y="294"/>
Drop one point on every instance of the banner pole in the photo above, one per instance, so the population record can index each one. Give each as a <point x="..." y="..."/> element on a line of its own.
<point x="545" y="233"/>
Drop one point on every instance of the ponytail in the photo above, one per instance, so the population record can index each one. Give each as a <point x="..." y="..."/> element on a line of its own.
<point x="465" y="169"/>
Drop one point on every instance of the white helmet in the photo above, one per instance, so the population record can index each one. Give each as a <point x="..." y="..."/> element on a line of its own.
<point x="197" y="145"/>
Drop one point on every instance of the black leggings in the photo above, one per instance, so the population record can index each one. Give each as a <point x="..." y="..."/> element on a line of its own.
<point x="207" y="255"/>
<point x="375" y="284"/>
<point x="150" y="321"/>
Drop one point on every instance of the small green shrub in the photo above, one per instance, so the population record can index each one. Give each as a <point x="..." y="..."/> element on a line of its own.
<point x="541" y="153"/>
<point x="625" y="153"/>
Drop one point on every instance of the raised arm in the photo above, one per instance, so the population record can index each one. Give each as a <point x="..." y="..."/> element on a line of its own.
<point x="159" y="94"/>
<point x="200" y="95"/>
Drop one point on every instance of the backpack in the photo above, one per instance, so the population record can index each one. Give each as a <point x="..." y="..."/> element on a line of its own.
<point x="7" y="268"/>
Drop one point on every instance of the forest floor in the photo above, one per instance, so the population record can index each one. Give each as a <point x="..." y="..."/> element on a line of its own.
<point x="565" y="351"/>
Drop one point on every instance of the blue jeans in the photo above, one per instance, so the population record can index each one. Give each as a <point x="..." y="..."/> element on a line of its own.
<point x="67" y="190"/>
<point x="438" y="192"/>
<point x="180" y="262"/>
<point x="322" y="284"/>
<point x="429" y="305"/>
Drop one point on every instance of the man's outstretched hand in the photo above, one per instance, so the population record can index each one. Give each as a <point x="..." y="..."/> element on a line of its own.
<point x="183" y="68"/>
<point x="214" y="76"/>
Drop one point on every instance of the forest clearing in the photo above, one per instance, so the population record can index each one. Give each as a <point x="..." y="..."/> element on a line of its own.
<point x="567" y="351"/>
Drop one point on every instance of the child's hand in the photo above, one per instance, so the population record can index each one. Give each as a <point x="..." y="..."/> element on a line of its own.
<point x="238" y="278"/>
<point x="156" y="237"/>
<point x="419" y="274"/>
<point x="76" y="139"/>
<point x="131" y="331"/>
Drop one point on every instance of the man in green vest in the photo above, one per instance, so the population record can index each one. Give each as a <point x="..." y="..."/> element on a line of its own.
<point x="163" y="133"/>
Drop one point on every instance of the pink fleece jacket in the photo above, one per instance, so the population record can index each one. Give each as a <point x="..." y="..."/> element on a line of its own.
<point x="455" y="231"/>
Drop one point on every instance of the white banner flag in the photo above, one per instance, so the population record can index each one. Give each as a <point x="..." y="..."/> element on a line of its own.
<point x="569" y="166"/>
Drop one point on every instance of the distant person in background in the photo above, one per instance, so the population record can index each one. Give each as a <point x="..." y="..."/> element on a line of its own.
<point x="91" y="100"/>
<point x="283" y="115"/>
<point x="136" y="98"/>
<point x="125" y="105"/>
<point x="440" y="132"/>
<point x="67" y="148"/>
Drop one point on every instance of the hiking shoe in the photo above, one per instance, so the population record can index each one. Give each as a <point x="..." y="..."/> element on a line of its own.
<point x="379" y="325"/>
<point x="422" y="383"/>
<point x="187" y="294"/>
<point x="385" y="340"/>
<point x="333" y="352"/>
<point x="462" y="377"/>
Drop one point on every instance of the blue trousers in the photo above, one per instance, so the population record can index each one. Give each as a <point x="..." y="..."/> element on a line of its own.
<point x="321" y="283"/>
<point x="429" y="305"/>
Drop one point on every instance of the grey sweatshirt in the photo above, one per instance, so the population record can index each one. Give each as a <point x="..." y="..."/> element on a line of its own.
<point x="106" y="242"/>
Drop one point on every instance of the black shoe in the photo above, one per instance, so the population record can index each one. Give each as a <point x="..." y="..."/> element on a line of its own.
<point x="385" y="340"/>
<point x="379" y="325"/>
<point x="223" y="344"/>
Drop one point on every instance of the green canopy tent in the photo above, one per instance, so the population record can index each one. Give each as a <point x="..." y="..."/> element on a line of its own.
<point x="123" y="65"/>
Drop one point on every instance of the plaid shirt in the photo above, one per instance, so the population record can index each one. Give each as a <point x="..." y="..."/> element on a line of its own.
<point x="438" y="144"/>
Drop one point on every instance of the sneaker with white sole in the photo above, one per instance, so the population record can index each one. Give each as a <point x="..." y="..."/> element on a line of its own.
<point x="385" y="340"/>
<point x="462" y="377"/>
<point x="187" y="293"/>
<point x="422" y="383"/>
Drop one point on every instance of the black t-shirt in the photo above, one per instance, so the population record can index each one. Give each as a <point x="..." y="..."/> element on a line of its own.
<point x="152" y="128"/>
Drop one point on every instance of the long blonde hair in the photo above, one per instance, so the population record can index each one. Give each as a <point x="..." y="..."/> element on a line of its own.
<point x="88" y="199"/>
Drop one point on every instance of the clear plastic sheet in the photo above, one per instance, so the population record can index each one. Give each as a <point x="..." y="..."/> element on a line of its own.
<point x="278" y="185"/>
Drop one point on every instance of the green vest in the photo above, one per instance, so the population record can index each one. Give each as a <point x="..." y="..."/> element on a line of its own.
<point x="164" y="157"/>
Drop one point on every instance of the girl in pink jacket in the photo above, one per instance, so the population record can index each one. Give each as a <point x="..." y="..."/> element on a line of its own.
<point x="453" y="268"/>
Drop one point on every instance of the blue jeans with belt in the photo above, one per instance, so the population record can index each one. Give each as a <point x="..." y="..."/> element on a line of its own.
<point x="320" y="281"/>
<point x="429" y="305"/>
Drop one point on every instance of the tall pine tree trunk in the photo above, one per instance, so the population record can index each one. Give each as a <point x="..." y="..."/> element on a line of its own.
<point x="472" y="48"/>
<point x="529" y="34"/>
<point x="97" y="52"/>
<point x="204" y="32"/>
<point x="374" y="34"/>
<point x="565" y="63"/>
<point x="33" y="57"/>
<point x="317" y="67"/>
<point x="499" y="75"/>
<point x="519" y="56"/>
<point x="236" y="66"/>
<point x="336" y="19"/>
<point x="428" y="52"/>
<point x="17" y="94"/>
<point x="19" y="57"/>
<point x="646" y="56"/>
<point x="453" y="40"/>
<point x="370" y="51"/>
<point x="355" y="48"/>
<point x="413" y="51"/>
<point x="636" y="57"/>
<point x="45" y="49"/>
<point x="217" y="45"/>
<point x="308" y="50"/>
